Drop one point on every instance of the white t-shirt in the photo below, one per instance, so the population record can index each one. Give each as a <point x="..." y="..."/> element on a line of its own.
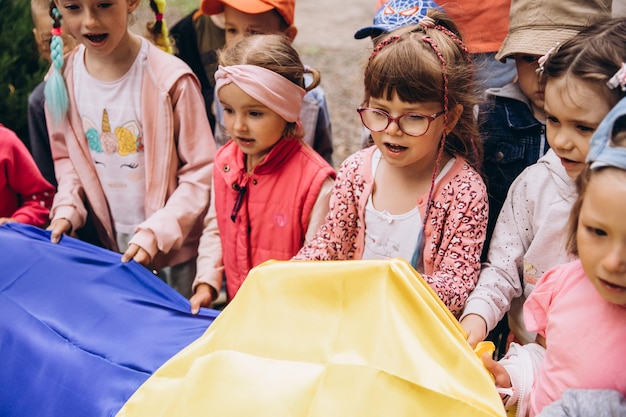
<point x="392" y="235"/>
<point x="111" y="116"/>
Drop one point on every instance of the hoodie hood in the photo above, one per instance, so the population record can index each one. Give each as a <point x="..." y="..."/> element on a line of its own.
<point x="566" y="186"/>
<point x="511" y="91"/>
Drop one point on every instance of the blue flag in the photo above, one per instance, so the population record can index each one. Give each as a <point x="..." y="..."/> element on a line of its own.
<point x="79" y="330"/>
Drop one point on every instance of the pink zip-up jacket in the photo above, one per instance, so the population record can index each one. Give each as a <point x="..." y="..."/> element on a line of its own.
<point x="453" y="237"/>
<point x="179" y="150"/>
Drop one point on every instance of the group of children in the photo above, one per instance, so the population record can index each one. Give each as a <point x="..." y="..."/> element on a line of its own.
<point x="130" y="130"/>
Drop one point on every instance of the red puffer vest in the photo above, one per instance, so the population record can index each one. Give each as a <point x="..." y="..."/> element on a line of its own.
<point x="265" y="214"/>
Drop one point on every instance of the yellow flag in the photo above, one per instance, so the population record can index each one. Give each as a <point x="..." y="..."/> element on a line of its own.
<point x="324" y="339"/>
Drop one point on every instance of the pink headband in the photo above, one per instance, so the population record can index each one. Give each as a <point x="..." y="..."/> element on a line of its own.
<point x="265" y="86"/>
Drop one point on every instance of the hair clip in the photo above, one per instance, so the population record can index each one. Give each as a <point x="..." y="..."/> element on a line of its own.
<point x="619" y="79"/>
<point x="427" y="22"/>
<point x="542" y="61"/>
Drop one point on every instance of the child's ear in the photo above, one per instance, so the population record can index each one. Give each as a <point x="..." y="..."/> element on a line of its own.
<point x="36" y="36"/>
<point x="42" y="47"/>
<point x="454" y="114"/>
<point x="291" y="32"/>
<point x="132" y="5"/>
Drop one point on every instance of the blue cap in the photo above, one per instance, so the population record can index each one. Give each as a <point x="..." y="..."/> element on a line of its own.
<point x="602" y="152"/>
<point x="394" y="14"/>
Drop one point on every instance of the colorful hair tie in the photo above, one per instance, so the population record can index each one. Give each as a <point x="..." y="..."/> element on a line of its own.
<point x="382" y="44"/>
<point x="619" y="79"/>
<point x="56" y="31"/>
<point x="542" y="61"/>
<point x="158" y="17"/>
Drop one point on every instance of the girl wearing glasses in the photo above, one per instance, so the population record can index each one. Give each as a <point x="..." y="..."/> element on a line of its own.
<point x="270" y="190"/>
<point x="417" y="193"/>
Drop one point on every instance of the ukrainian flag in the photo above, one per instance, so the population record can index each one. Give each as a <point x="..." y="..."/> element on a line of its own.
<point x="341" y="338"/>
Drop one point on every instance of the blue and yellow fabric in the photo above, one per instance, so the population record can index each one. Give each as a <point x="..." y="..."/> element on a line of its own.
<point x="82" y="334"/>
<point x="345" y="338"/>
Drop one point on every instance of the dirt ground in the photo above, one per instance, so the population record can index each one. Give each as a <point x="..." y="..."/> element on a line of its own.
<point x="326" y="42"/>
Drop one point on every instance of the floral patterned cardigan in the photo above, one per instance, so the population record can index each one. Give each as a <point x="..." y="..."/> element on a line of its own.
<point x="453" y="236"/>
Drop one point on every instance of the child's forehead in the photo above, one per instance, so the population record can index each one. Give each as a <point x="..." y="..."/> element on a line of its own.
<point x="269" y="22"/>
<point x="574" y="97"/>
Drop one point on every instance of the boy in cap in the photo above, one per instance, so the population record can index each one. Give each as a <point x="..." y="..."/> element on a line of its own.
<point x="241" y="18"/>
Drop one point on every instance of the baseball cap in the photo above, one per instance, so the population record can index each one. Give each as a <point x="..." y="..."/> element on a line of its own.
<point x="395" y="14"/>
<point x="285" y="8"/>
<point x="602" y="152"/>
<point x="535" y="26"/>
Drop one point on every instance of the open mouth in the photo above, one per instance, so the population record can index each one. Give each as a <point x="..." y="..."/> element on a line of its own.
<point x="94" y="38"/>
<point x="568" y="162"/>
<point x="395" y="148"/>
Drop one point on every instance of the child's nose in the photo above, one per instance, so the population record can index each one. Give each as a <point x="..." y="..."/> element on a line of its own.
<point x="90" y="20"/>
<point x="560" y="140"/>
<point x="614" y="260"/>
<point x="240" y="123"/>
<point x="393" y="128"/>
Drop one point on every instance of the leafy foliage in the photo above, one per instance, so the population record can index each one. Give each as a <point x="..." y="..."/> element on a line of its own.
<point x="21" y="69"/>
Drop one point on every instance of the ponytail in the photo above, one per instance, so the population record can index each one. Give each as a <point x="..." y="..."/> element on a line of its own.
<point x="158" y="28"/>
<point x="316" y="78"/>
<point x="55" y="90"/>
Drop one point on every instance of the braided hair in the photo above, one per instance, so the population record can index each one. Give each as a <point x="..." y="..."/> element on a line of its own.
<point x="158" y="28"/>
<point x="55" y="90"/>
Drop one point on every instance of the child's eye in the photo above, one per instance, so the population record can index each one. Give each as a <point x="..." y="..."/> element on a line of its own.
<point x="231" y="31"/>
<point x="414" y="118"/>
<point x="104" y="5"/>
<point x="585" y="129"/>
<point x="596" y="231"/>
<point x="526" y="59"/>
<point x="552" y="119"/>
<point x="228" y="110"/>
<point x="256" y="114"/>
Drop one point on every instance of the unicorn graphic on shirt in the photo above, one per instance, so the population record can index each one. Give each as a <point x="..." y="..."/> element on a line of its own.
<point x="117" y="154"/>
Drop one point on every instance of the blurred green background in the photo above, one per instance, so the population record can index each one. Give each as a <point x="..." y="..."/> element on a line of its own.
<point x="20" y="67"/>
